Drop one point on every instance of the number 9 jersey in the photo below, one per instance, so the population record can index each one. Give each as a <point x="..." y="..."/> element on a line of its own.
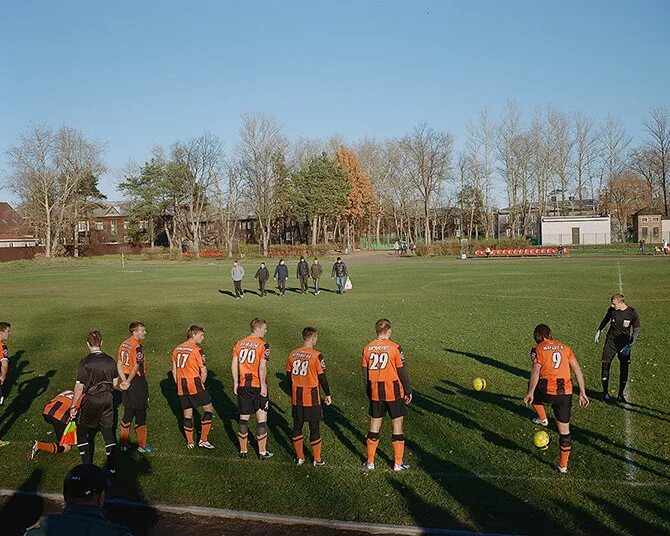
<point x="554" y="359"/>
<point x="382" y="358"/>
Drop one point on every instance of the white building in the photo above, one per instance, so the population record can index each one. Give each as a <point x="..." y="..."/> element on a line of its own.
<point x="575" y="230"/>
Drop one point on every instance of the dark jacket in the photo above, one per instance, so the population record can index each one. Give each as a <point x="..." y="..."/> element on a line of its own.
<point x="77" y="520"/>
<point x="316" y="270"/>
<point x="281" y="271"/>
<point x="339" y="270"/>
<point x="262" y="274"/>
<point x="303" y="268"/>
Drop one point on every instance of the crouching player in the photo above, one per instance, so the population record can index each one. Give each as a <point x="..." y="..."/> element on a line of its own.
<point x="306" y="371"/>
<point x="550" y="383"/>
<point x="57" y="414"/>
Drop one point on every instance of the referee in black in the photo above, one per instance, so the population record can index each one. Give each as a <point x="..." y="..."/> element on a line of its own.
<point x="97" y="376"/>
<point x="623" y="332"/>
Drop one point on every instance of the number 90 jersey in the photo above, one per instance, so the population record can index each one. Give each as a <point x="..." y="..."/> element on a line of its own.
<point x="383" y="358"/>
<point x="248" y="353"/>
<point x="554" y="358"/>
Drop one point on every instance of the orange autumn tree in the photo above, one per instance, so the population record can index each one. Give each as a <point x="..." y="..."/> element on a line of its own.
<point x="359" y="199"/>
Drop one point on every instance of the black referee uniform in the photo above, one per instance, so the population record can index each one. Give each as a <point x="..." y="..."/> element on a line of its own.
<point x="623" y="331"/>
<point x="97" y="372"/>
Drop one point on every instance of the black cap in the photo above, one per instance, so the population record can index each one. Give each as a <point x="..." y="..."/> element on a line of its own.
<point x="84" y="482"/>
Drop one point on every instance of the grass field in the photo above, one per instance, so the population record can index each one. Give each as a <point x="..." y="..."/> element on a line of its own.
<point x="473" y="462"/>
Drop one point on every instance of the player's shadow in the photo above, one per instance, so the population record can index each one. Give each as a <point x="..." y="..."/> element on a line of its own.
<point x="224" y="406"/>
<point x="169" y="390"/>
<point x="335" y="419"/>
<point x="227" y="293"/>
<point x="491" y="362"/>
<point x="631" y="523"/>
<point x="280" y="425"/>
<point x="647" y="408"/>
<point x="28" y="391"/>
<point x="512" y="404"/>
<point x="127" y="504"/>
<point x="24" y="507"/>
<point x="17" y="368"/>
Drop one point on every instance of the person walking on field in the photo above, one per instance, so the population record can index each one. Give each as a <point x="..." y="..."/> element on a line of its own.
<point x="340" y="274"/>
<point x="237" y="273"/>
<point x="316" y="270"/>
<point x="262" y="274"/>
<point x="302" y="272"/>
<point x="281" y="275"/>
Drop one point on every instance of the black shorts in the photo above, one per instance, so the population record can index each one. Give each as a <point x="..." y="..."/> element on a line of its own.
<point x="307" y="413"/>
<point x="137" y="395"/>
<point x="249" y="400"/>
<point x="59" y="426"/>
<point x="611" y="350"/>
<point x="395" y="408"/>
<point x="195" y="401"/>
<point x="97" y="411"/>
<point x="561" y="405"/>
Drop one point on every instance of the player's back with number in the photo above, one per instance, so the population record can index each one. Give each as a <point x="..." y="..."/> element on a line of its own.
<point x="249" y="352"/>
<point x="188" y="359"/>
<point x="554" y="359"/>
<point x="382" y="358"/>
<point x="305" y="365"/>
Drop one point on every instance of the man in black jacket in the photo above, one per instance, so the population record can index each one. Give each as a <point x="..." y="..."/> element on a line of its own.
<point x="281" y="275"/>
<point x="340" y="274"/>
<point x="302" y="272"/>
<point x="316" y="270"/>
<point x="262" y="274"/>
<point x="97" y="376"/>
<point x="623" y="332"/>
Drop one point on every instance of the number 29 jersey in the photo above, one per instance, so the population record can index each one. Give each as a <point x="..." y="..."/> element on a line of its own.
<point x="383" y="358"/>
<point x="554" y="359"/>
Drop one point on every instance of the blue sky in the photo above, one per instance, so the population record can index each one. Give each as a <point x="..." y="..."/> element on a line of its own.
<point x="138" y="74"/>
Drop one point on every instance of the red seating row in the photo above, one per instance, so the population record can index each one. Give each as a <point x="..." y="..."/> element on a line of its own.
<point x="520" y="252"/>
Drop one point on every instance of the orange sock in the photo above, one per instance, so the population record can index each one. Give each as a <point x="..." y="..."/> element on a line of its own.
<point x="125" y="433"/>
<point x="205" y="426"/>
<point x="298" y="446"/>
<point x="141" y="433"/>
<point x="541" y="413"/>
<point x="262" y="443"/>
<point x="316" y="449"/>
<point x="244" y="440"/>
<point x="188" y="430"/>
<point x="372" y="443"/>
<point x="45" y="446"/>
<point x="398" y="441"/>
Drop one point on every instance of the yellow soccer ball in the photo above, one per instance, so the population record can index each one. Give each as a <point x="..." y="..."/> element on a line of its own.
<point x="479" y="384"/>
<point x="541" y="440"/>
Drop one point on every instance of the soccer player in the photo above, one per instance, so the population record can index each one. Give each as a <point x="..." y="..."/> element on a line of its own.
<point x="134" y="388"/>
<point x="57" y="414"/>
<point x="306" y="371"/>
<point x="189" y="370"/>
<point x="5" y="332"/>
<point x="622" y="320"/>
<point x="387" y="385"/>
<point x="97" y="376"/>
<point x="249" y="368"/>
<point x="550" y="383"/>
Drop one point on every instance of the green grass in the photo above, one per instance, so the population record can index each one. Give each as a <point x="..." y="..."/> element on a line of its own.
<point x="473" y="462"/>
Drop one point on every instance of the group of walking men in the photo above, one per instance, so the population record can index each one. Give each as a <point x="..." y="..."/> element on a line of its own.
<point x="304" y="271"/>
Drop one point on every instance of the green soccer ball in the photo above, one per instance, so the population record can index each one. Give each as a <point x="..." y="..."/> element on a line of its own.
<point x="541" y="440"/>
<point x="479" y="384"/>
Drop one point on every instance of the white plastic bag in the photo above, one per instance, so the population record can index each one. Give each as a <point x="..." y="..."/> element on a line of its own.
<point x="348" y="285"/>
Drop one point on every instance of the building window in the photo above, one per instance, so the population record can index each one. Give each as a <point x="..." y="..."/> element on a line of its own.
<point x="644" y="219"/>
<point x="82" y="226"/>
<point x="98" y="226"/>
<point x="655" y="233"/>
<point x="125" y="225"/>
<point x="113" y="228"/>
<point x="656" y="219"/>
<point x="644" y="233"/>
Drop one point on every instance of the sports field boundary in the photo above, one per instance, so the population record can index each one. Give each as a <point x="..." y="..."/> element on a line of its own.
<point x="270" y="519"/>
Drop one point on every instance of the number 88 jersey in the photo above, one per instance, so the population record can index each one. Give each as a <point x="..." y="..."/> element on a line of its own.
<point x="305" y="365"/>
<point x="382" y="358"/>
<point x="554" y="359"/>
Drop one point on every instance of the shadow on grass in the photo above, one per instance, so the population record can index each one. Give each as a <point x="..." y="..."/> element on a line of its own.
<point x="24" y="508"/>
<point x="139" y="518"/>
<point x="223" y="405"/>
<point x="491" y="362"/>
<point x="17" y="368"/>
<point x="28" y="391"/>
<point x="340" y="425"/>
<point x="169" y="390"/>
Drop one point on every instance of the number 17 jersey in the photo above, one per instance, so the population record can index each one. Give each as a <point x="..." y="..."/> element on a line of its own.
<point x="554" y="359"/>
<point x="383" y="358"/>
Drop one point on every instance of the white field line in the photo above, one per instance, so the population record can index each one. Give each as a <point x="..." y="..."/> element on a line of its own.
<point x="627" y="419"/>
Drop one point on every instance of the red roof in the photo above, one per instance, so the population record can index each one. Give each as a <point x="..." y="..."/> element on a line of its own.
<point x="11" y="222"/>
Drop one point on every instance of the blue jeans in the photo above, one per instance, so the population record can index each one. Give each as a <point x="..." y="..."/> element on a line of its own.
<point x="340" y="283"/>
<point x="316" y="285"/>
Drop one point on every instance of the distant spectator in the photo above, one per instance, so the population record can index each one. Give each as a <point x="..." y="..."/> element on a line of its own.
<point x="665" y="247"/>
<point x="488" y="251"/>
<point x="237" y="273"/>
<point x="641" y="247"/>
<point x="411" y="247"/>
<point x="340" y="274"/>
<point x="262" y="274"/>
<point x="281" y="275"/>
<point x="396" y="247"/>
<point x="560" y="251"/>
<point x="302" y="273"/>
<point x="403" y="247"/>
<point x="316" y="270"/>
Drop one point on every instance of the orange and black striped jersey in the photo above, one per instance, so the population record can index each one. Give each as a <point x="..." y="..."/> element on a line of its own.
<point x="188" y="359"/>
<point x="59" y="406"/>
<point x="305" y="365"/>
<point x="130" y="354"/>
<point x="382" y="358"/>
<point x="4" y="351"/>
<point x="248" y="353"/>
<point x="554" y="360"/>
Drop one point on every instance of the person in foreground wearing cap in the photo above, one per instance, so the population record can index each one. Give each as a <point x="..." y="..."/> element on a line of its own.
<point x="84" y="494"/>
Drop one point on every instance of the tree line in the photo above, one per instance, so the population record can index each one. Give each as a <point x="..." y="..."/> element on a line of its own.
<point x="416" y="187"/>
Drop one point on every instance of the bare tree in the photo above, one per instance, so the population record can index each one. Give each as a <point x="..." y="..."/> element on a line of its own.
<point x="658" y="143"/>
<point x="261" y="151"/>
<point x="228" y="195"/>
<point x="586" y="146"/>
<point x="427" y="159"/>
<point x="480" y="143"/>
<point x="614" y="145"/>
<point x="561" y="145"/>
